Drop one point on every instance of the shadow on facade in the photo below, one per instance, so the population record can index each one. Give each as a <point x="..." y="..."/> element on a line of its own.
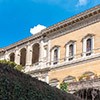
<point x="88" y="94"/>
<point x="35" y="53"/>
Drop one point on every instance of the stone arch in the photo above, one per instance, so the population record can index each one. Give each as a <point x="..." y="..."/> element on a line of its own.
<point x="88" y="94"/>
<point x="35" y="53"/>
<point x="12" y="57"/>
<point x="69" y="79"/>
<point x="87" y="76"/>
<point x="23" y="57"/>
<point x="54" y="82"/>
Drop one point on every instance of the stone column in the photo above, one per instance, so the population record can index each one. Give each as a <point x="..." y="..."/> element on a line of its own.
<point x="29" y="55"/>
<point x="47" y="78"/>
<point x="93" y="45"/>
<point x="6" y="57"/>
<point x="41" y="51"/>
<point x="49" y="47"/>
<point x="84" y="47"/>
<point x="17" y="56"/>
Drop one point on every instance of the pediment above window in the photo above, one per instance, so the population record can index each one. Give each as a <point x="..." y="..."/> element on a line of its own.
<point x="87" y="76"/>
<point x="89" y="73"/>
<point x="54" y="80"/>
<point x="70" y="42"/>
<point x="87" y="36"/>
<point x="56" y="46"/>
<point x="69" y="79"/>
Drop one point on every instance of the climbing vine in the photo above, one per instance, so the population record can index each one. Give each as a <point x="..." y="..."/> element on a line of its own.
<point x="64" y="86"/>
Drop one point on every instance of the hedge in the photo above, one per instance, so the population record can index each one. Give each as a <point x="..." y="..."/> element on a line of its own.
<point x="15" y="85"/>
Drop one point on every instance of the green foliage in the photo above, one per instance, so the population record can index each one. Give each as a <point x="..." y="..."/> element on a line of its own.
<point x="12" y="64"/>
<point x="15" y="85"/>
<point x="64" y="86"/>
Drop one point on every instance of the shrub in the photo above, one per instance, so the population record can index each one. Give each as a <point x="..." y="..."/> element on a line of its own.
<point x="12" y="64"/>
<point x="15" y="85"/>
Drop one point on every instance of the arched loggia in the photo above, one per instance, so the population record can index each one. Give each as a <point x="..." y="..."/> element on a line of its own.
<point x="12" y="57"/>
<point x="23" y="57"/>
<point x="35" y="53"/>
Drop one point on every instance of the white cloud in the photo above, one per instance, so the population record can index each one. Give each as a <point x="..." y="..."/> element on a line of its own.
<point x="82" y="2"/>
<point x="37" y="29"/>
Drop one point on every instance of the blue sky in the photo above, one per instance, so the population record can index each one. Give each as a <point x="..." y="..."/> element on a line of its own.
<point x="18" y="17"/>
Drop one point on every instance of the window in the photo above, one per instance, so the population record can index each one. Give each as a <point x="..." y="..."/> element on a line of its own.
<point x="54" y="82"/>
<point x="35" y="53"/>
<point x="70" y="50"/>
<point x="23" y="57"/>
<point x="69" y="79"/>
<point x="87" y="76"/>
<point x="12" y="57"/>
<point x="88" y="45"/>
<point x="55" y="55"/>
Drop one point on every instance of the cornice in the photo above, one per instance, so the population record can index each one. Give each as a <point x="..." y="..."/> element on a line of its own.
<point x="64" y="24"/>
<point x="24" y="41"/>
<point x="76" y="26"/>
<point x="84" y="15"/>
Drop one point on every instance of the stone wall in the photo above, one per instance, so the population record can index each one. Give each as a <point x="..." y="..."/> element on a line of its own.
<point x="76" y="86"/>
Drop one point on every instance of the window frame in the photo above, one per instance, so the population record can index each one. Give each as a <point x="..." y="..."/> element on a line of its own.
<point x="69" y="79"/>
<point x="52" y="55"/>
<point x="68" y="57"/>
<point x="84" y="43"/>
<point x="54" y="83"/>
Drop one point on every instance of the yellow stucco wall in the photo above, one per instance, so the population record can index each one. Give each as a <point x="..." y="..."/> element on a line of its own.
<point x="79" y="69"/>
<point x="75" y="70"/>
<point x="78" y="35"/>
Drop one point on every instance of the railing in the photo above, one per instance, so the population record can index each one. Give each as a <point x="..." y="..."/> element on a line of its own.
<point x="64" y="61"/>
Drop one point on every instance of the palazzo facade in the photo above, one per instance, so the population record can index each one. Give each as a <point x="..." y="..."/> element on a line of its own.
<point x="68" y="51"/>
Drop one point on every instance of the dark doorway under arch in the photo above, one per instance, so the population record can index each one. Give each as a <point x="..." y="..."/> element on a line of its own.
<point x="23" y="57"/>
<point x="35" y="53"/>
<point x="12" y="57"/>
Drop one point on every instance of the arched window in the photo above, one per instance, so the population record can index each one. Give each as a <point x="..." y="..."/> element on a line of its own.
<point x="69" y="79"/>
<point x="87" y="76"/>
<point x="12" y="57"/>
<point x="71" y="51"/>
<point x="23" y="57"/>
<point x="54" y="82"/>
<point x="55" y="56"/>
<point x="89" y="46"/>
<point x="35" y="53"/>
